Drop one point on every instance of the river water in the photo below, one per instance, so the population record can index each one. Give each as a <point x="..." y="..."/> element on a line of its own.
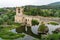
<point x="51" y="28"/>
<point x="34" y="29"/>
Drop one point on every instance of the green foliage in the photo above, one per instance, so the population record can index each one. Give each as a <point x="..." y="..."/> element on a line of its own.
<point x="34" y="22"/>
<point x="1" y="21"/>
<point x="5" y="32"/>
<point x="2" y="10"/>
<point x="42" y="28"/>
<point x="10" y="35"/>
<point x="7" y="17"/>
<point x="34" y="11"/>
<point x="53" y="23"/>
<point x="53" y="37"/>
<point x="9" y="22"/>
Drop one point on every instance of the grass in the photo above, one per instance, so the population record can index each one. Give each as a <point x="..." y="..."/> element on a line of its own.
<point x="53" y="23"/>
<point x="10" y="35"/>
<point x="5" y="32"/>
<point x="51" y="37"/>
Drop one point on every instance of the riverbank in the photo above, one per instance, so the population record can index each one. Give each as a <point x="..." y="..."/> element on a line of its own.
<point x="6" y="33"/>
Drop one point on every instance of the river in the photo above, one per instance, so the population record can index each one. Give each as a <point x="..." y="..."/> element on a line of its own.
<point x="34" y="30"/>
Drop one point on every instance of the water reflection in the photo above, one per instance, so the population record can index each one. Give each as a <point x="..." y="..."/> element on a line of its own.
<point x="13" y="30"/>
<point x="29" y="32"/>
<point x="33" y="31"/>
<point x="29" y="35"/>
<point x="52" y="27"/>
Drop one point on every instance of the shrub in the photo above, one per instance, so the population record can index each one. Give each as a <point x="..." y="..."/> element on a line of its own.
<point x="10" y="35"/>
<point x="10" y="22"/>
<point x="42" y="28"/>
<point x="52" y="37"/>
<point x="53" y="23"/>
<point x="34" y="22"/>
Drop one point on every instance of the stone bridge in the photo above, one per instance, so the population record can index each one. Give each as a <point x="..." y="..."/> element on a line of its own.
<point x="45" y="19"/>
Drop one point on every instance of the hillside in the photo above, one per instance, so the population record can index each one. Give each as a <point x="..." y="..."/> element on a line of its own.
<point x="55" y="5"/>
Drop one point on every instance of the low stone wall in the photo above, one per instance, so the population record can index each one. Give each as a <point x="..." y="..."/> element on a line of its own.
<point x="44" y="19"/>
<point x="47" y="19"/>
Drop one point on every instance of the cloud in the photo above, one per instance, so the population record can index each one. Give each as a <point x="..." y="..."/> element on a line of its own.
<point x="14" y="3"/>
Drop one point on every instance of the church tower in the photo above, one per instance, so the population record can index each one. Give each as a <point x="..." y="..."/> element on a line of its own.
<point x="19" y="14"/>
<point x="19" y="11"/>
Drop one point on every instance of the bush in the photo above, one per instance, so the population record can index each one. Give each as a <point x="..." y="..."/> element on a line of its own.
<point x="34" y="22"/>
<point x="42" y="28"/>
<point x="1" y="21"/>
<point x="10" y="35"/>
<point x="53" y="23"/>
<point x="51" y="37"/>
<point x="10" y="22"/>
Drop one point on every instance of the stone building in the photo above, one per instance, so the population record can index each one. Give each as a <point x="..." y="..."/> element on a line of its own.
<point x="25" y="19"/>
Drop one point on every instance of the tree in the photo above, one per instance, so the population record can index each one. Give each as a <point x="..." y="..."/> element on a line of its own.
<point x="5" y="18"/>
<point x="34" y="22"/>
<point x="57" y="14"/>
<point x="1" y="21"/>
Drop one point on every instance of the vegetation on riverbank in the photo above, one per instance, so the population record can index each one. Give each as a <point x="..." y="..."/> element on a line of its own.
<point x="10" y="35"/>
<point x="7" y="24"/>
<point x="43" y="28"/>
<point x="52" y="37"/>
<point x="53" y="23"/>
<point x="34" y="22"/>
<point x="34" y="11"/>
<point x="5" y="32"/>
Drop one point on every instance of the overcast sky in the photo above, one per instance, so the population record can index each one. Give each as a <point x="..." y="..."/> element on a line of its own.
<point x="14" y="3"/>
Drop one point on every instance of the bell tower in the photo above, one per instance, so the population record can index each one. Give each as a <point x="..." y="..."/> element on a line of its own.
<point x="19" y="10"/>
<point x="19" y="14"/>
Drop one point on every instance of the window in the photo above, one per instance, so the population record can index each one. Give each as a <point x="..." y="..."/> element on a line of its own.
<point x="26" y="20"/>
<point x="19" y="10"/>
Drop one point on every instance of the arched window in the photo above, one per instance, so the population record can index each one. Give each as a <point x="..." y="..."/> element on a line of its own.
<point x="26" y="20"/>
<point x="18" y="10"/>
